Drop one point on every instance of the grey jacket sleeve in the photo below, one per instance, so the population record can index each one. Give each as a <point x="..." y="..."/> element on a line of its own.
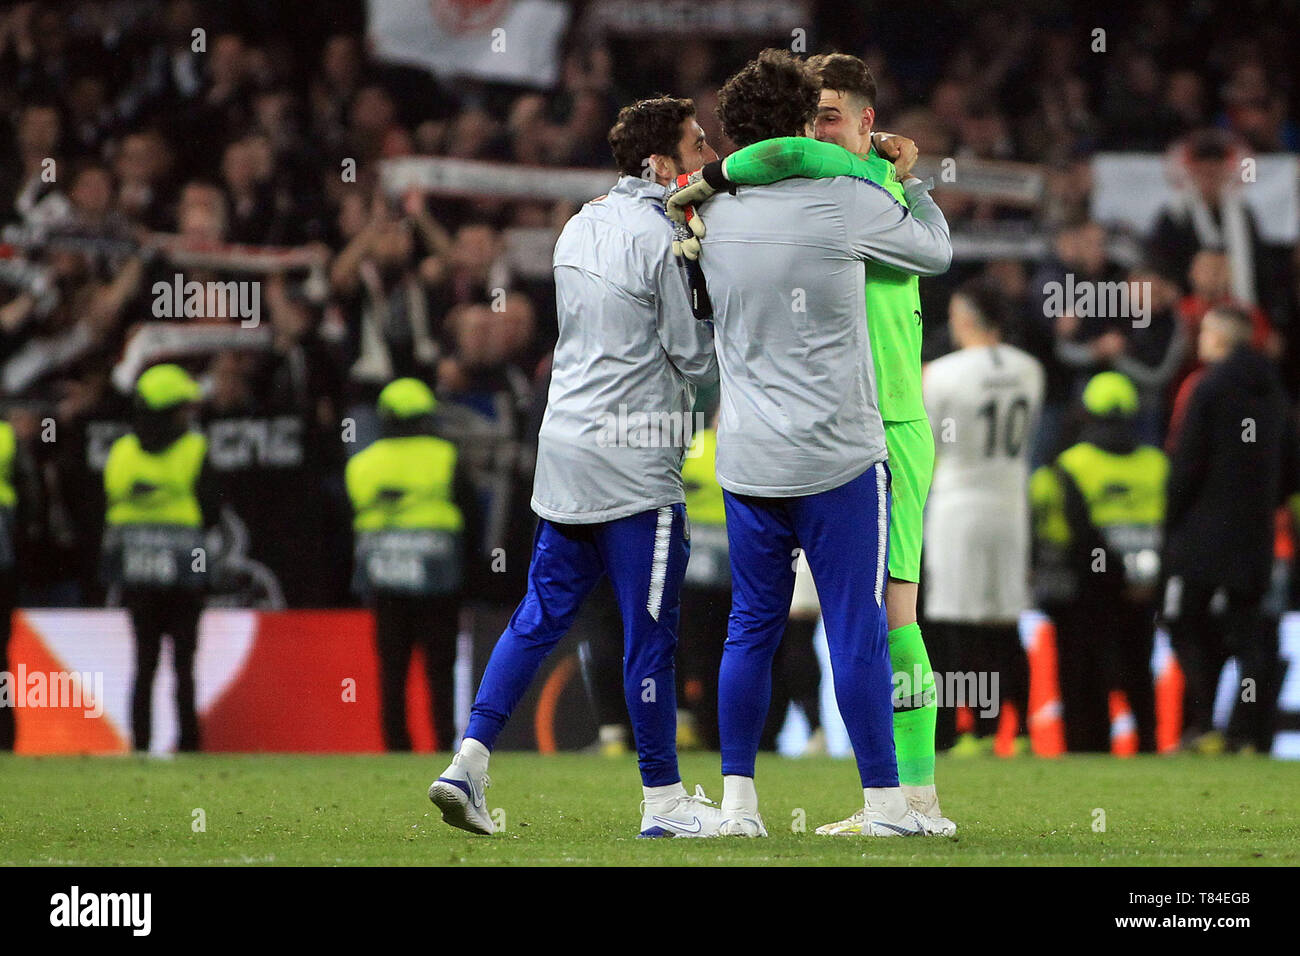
<point x="1075" y="354"/>
<point x="1156" y="376"/>
<point x="687" y="341"/>
<point x="883" y="230"/>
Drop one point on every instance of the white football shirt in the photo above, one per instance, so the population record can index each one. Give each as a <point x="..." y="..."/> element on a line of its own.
<point x="983" y="405"/>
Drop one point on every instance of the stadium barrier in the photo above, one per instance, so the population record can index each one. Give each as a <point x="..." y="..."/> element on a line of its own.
<point x="307" y="682"/>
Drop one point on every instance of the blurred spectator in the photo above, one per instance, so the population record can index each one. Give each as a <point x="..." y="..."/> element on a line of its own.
<point x="470" y="269"/>
<point x="414" y="508"/>
<point x="1185" y="99"/>
<point x="1098" y="511"/>
<point x="1136" y="114"/>
<point x="1156" y="346"/>
<point x="1209" y="212"/>
<point x="143" y="166"/>
<point x="1224" y="486"/>
<point x="37" y="198"/>
<point x="246" y="168"/>
<point x="1208" y="279"/>
<point x="1255" y="110"/>
<point x="1082" y="346"/>
<point x="392" y="331"/>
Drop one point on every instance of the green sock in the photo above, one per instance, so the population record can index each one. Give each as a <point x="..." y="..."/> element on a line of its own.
<point x="913" y="724"/>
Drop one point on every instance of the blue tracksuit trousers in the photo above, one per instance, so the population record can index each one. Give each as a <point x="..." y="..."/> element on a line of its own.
<point x="845" y="534"/>
<point x="645" y="557"/>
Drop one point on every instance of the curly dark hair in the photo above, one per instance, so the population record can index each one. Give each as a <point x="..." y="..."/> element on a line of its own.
<point x="646" y="128"/>
<point x="844" y="74"/>
<point x="772" y="95"/>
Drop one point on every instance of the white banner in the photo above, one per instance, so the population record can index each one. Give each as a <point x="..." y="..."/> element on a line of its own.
<point x="1003" y="182"/>
<point x="475" y="178"/>
<point x="1130" y="189"/>
<point x="506" y="41"/>
<point x="718" y="18"/>
<point x="154" y="341"/>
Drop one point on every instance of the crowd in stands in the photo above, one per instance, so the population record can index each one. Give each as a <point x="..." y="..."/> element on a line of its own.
<point x="119" y="140"/>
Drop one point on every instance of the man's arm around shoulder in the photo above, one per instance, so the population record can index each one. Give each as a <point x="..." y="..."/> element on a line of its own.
<point x="883" y="230"/>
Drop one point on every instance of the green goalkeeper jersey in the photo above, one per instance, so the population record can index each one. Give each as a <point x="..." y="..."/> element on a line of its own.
<point x="893" y="297"/>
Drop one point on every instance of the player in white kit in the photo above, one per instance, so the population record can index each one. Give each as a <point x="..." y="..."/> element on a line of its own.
<point x="983" y="401"/>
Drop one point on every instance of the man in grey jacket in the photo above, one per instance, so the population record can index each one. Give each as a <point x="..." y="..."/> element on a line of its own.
<point x="801" y="444"/>
<point x="608" y="487"/>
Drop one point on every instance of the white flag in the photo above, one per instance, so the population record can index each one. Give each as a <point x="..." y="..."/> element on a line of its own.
<point x="508" y="41"/>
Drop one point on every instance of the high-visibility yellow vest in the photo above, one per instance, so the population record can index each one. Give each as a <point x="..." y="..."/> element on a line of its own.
<point x="1119" y="489"/>
<point x="155" y="488"/>
<point x="407" y="523"/>
<point x="709" y="566"/>
<point x="704" y="503"/>
<point x="404" y="482"/>
<point x="1124" y="495"/>
<point x="1047" y="504"/>
<point x="8" y="445"/>
<point x="8" y="495"/>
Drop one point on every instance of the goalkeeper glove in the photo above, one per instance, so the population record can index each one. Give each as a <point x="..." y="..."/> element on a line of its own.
<point x="682" y="198"/>
<point x="684" y="241"/>
<point x="696" y="188"/>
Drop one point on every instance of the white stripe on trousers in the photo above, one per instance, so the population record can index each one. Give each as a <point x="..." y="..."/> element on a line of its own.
<point x="882" y="530"/>
<point x="659" y="564"/>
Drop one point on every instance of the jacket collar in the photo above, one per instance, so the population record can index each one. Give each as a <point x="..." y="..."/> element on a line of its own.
<point x="639" y="188"/>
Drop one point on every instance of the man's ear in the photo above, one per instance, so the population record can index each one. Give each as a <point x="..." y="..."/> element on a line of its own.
<point x="663" y="167"/>
<point x="867" y="123"/>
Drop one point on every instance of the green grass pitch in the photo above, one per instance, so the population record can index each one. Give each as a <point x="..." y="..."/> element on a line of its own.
<point x="583" y="810"/>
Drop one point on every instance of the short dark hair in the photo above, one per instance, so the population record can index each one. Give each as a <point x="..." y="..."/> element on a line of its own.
<point x="845" y="74"/>
<point x="987" y="302"/>
<point x="646" y="128"/>
<point x="772" y="95"/>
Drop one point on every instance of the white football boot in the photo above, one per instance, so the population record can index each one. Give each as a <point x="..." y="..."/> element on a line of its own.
<point x="920" y="799"/>
<point x="740" y="817"/>
<point x="851" y="826"/>
<point x="743" y="824"/>
<point x="925" y="802"/>
<point x="886" y="814"/>
<point x="459" y="794"/>
<point x="688" y="815"/>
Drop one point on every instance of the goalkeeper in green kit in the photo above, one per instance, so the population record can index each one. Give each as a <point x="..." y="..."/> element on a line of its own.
<point x="844" y="147"/>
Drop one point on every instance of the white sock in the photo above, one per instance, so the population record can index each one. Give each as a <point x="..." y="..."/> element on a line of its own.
<point x="922" y="796"/>
<point x="888" y="800"/>
<point x="663" y="796"/>
<point x="739" y="795"/>
<point x="473" y="756"/>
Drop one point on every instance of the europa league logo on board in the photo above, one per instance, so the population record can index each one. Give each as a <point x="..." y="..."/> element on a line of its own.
<point x="468" y="16"/>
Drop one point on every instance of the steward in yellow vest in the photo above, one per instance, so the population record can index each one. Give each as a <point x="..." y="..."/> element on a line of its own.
<point x="8" y="496"/>
<point x="709" y="566"/>
<point x="1099" y="509"/>
<point x="1098" y="514"/>
<point x="8" y="575"/>
<point x="410" y="501"/>
<point x="408" y="526"/>
<point x="705" y="597"/>
<point x="160" y="496"/>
